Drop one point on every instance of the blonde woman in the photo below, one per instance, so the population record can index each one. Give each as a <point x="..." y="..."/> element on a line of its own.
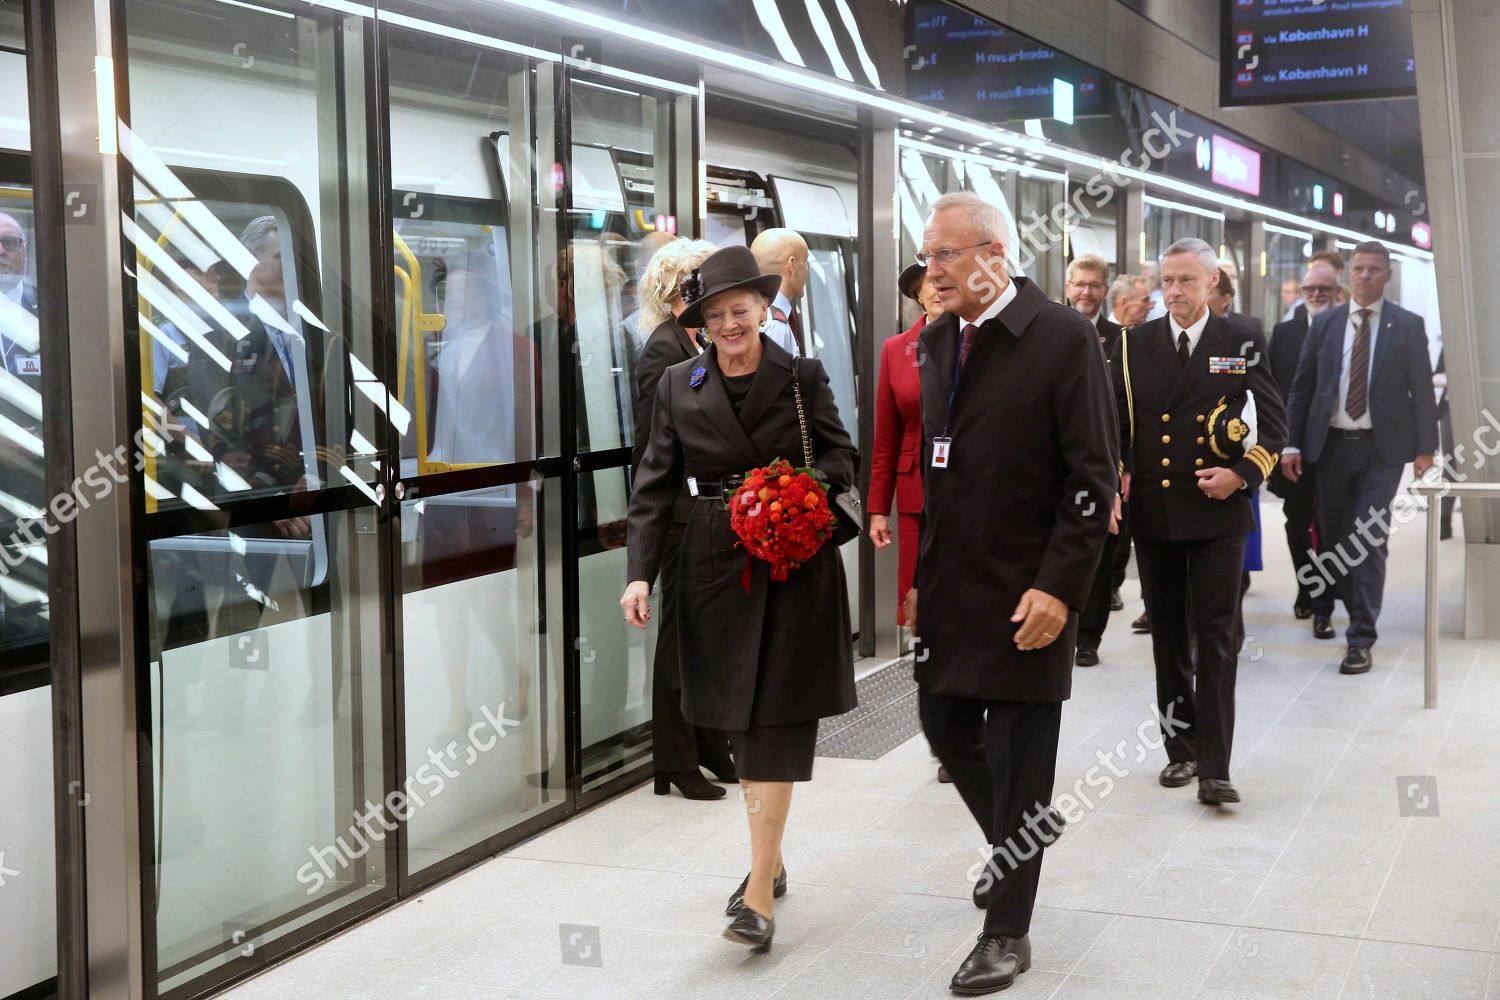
<point x="679" y="748"/>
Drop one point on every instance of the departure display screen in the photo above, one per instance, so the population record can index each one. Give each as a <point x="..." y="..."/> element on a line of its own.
<point x="1295" y="51"/>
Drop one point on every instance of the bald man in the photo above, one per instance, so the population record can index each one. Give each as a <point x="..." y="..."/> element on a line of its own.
<point x="783" y="252"/>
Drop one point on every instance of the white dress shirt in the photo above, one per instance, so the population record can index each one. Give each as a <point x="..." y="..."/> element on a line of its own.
<point x="782" y="332"/>
<point x="1341" y="418"/>
<point x="995" y="308"/>
<point x="1194" y="332"/>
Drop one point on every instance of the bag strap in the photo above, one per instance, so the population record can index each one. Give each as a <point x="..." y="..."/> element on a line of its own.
<point x="1129" y="395"/>
<point x="807" y="455"/>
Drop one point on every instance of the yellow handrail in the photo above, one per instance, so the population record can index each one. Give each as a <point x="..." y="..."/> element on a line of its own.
<point x="416" y="323"/>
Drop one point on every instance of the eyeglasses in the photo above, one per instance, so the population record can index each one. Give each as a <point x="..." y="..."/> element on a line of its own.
<point x="948" y="255"/>
<point x="12" y="243"/>
<point x="1317" y="289"/>
<point x="1097" y="286"/>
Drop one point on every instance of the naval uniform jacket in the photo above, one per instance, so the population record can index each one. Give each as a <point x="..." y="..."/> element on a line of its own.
<point x="1172" y="404"/>
<point x="1024" y="501"/>
<point x="782" y="652"/>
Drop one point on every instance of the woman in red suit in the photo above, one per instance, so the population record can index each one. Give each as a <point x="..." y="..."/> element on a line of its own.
<point x="895" y="464"/>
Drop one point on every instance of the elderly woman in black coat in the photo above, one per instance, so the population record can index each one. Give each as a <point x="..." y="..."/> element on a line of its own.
<point x="765" y="664"/>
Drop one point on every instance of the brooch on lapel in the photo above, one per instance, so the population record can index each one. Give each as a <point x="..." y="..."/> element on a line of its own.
<point x="696" y="379"/>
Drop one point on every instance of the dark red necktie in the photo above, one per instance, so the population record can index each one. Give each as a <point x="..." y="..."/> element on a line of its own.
<point x="968" y="342"/>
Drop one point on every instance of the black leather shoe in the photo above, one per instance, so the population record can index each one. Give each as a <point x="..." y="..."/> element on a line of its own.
<point x="943" y="776"/>
<point x="749" y="927"/>
<point x="1116" y="602"/>
<point x="1322" y="627"/>
<point x="1143" y="623"/>
<point x="1357" y="661"/>
<point x="692" y="785"/>
<point x="1086" y="656"/>
<point x="992" y="966"/>
<point x="723" y="770"/>
<point x="1302" y="612"/>
<point x="1216" y="791"/>
<point x="1178" y="773"/>
<point x="737" y="901"/>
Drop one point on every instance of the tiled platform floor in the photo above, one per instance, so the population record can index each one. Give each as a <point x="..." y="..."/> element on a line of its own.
<point x="1315" y="887"/>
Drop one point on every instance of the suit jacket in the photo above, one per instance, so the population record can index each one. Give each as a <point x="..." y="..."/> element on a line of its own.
<point x="1403" y="414"/>
<point x="669" y="344"/>
<point x="780" y="652"/>
<point x="1109" y="333"/>
<point x="1248" y="321"/>
<point x="1285" y="350"/>
<point x="1169" y="442"/>
<point x="1024" y="501"/>
<point x="895" y="469"/>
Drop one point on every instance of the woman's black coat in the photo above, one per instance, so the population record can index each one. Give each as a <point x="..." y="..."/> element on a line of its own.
<point x="781" y="653"/>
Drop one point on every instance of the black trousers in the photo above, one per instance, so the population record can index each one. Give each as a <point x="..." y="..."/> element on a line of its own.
<point x="1355" y="490"/>
<point x="1002" y="756"/>
<point x="1095" y="614"/>
<point x="1193" y="591"/>
<point x="1118" y="557"/>
<point x="1300" y="508"/>
<point x="677" y="745"/>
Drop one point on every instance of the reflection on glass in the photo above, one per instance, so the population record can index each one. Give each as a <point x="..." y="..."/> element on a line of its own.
<point x="265" y="730"/>
<point x="479" y="672"/>
<point x="615" y="658"/>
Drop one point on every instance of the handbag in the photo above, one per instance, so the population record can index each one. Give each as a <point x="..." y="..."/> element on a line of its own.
<point x="848" y="508"/>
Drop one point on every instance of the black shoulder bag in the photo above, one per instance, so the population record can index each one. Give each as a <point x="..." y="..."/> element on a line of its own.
<point x="848" y="509"/>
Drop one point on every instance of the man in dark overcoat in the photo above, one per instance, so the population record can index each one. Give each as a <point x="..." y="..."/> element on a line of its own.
<point x="1020" y="459"/>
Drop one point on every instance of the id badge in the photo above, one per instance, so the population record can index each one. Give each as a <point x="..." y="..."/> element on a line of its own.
<point x="940" y="446"/>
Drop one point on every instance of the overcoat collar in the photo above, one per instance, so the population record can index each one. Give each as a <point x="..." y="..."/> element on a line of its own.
<point x="770" y="380"/>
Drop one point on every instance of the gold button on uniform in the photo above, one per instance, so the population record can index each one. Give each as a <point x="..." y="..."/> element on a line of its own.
<point x="1166" y="439"/>
<point x="1200" y="440"/>
<point x="1165" y="483"/>
<point x="1197" y="461"/>
<point x="1200" y="418"/>
<point x="1166" y="462"/>
<point x="1166" y="417"/>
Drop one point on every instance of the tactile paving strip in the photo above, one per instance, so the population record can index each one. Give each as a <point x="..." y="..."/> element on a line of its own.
<point x="885" y="719"/>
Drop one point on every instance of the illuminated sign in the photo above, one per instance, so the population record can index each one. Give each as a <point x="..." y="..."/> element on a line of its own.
<point x="1338" y="204"/>
<point x="1421" y="235"/>
<point x="1062" y="101"/>
<point x="1236" y="166"/>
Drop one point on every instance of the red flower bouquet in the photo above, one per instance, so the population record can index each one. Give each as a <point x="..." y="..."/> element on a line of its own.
<point x="781" y="516"/>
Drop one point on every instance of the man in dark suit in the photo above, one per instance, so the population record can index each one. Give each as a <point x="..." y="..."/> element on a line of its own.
<point x="1020" y="472"/>
<point x="1088" y="283"/>
<point x="1360" y="408"/>
<point x="1190" y="503"/>
<point x="1297" y="498"/>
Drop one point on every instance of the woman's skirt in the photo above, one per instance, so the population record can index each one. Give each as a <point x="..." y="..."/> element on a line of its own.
<point x="775" y="753"/>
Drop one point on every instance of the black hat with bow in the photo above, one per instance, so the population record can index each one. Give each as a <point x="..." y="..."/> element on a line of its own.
<point x="724" y="271"/>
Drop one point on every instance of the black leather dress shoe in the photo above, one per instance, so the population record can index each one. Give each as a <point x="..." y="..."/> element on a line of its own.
<point x="1358" y="660"/>
<point x="943" y="776"/>
<point x="1302" y="612"/>
<point x="737" y="901"/>
<point x="1179" y="773"/>
<point x="1322" y="627"/>
<point x="992" y="966"/>
<point x="1216" y="791"/>
<point x="692" y="785"/>
<point x="1086" y="656"/>
<point x="749" y="927"/>
<point x="1116" y="602"/>
<point x="1143" y="623"/>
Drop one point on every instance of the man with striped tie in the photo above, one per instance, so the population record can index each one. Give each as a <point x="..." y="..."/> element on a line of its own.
<point x="1360" y="408"/>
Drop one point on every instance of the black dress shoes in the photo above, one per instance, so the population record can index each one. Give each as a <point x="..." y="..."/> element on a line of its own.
<point x="737" y="901"/>
<point x="992" y="966"/>
<point x="1086" y="656"/>
<point x="749" y="927"/>
<point x="1216" y="791"/>
<point x="1142" y="624"/>
<point x="943" y="776"/>
<point x="1116" y="602"/>
<point x="1177" y="774"/>
<point x="1357" y="661"/>
<point x="1322" y="627"/>
<point x="1302" y="612"/>
<point x="692" y="785"/>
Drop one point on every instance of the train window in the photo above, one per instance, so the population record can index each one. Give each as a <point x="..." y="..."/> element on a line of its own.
<point x="259" y="399"/>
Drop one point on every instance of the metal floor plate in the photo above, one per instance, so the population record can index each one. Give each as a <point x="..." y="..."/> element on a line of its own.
<point x="885" y="719"/>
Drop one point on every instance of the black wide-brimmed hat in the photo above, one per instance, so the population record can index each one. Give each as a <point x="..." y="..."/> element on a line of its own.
<point x="910" y="281"/>
<point x="724" y="271"/>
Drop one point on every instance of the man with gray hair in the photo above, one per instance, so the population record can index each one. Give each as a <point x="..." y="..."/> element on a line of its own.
<point x="1201" y="422"/>
<point x="1019" y="475"/>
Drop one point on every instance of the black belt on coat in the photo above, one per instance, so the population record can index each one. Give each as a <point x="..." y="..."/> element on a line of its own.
<point x="1344" y="432"/>
<point x="714" y="489"/>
